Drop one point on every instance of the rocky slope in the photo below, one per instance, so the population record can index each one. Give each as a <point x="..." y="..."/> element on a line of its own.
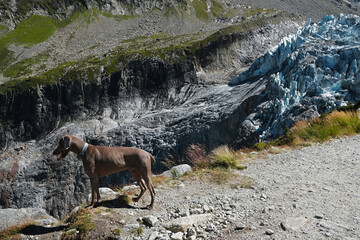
<point x="308" y="193"/>
<point x="132" y="81"/>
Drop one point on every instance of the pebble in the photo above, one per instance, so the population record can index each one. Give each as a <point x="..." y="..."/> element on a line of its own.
<point x="319" y="216"/>
<point x="269" y="232"/>
<point x="177" y="236"/>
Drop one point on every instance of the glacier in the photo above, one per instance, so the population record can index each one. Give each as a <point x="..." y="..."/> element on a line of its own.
<point x="313" y="71"/>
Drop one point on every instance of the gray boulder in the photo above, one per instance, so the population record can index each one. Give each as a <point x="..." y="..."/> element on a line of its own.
<point x="177" y="171"/>
<point x="10" y="217"/>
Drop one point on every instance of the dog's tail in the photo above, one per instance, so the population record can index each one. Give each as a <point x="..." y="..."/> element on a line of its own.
<point x="152" y="158"/>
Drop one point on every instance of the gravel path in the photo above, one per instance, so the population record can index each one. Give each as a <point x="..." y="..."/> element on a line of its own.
<point x="317" y="184"/>
<point x="308" y="193"/>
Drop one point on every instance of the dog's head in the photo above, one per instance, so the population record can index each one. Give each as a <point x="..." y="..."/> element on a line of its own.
<point x="63" y="148"/>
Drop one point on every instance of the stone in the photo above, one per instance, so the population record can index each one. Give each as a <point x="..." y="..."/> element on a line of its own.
<point x="184" y="223"/>
<point x="131" y="226"/>
<point x="196" y="211"/>
<point x="319" y="216"/>
<point x="239" y="226"/>
<point x="130" y="188"/>
<point x="151" y="220"/>
<point x="269" y="232"/>
<point x="177" y="236"/>
<point x="191" y="232"/>
<point x="106" y="194"/>
<point x="294" y="223"/>
<point x="10" y="217"/>
<point x="177" y="171"/>
<point x="153" y="235"/>
<point x="206" y="209"/>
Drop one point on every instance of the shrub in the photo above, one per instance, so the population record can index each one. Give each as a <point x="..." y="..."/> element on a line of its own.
<point x="223" y="157"/>
<point x="335" y="124"/>
<point x="196" y="156"/>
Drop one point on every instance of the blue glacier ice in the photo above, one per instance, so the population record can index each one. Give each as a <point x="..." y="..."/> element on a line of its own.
<point x="315" y="70"/>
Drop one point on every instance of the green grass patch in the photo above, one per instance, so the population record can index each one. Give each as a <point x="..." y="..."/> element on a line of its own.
<point x="217" y="9"/>
<point x="119" y="18"/>
<point x="31" y="31"/>
<point x="200" y="8"/>
<point x="138" y="231"/>
<point x="82" y="222"/>
<point x="24" y="67"/>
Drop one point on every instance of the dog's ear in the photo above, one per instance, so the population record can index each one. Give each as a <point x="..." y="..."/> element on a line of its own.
<point x="66" y="142"/>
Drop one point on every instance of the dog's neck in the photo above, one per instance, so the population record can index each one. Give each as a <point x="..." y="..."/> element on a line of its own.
<point x="76" y="145"/>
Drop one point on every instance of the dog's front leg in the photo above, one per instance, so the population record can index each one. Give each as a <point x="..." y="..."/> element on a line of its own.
<point x="95" y="195"/>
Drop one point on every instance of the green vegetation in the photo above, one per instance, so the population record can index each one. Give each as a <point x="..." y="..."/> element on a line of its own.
<point x="223" y="157"/>
<point x="217" y="166"/>
<point x="30" y="31"/>
<point x="82" y="222"/>
<point x="341" y="122"/>
<point x="200" y="7"/>
<point x="170" y="49"/>
<point x="138" y="231"/>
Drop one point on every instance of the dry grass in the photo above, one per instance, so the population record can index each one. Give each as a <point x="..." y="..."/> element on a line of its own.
<point x="14" y="232"/>
<point x="159" y="180"/>
<point x="330" y="125"/>
<point x="335" y="124"/>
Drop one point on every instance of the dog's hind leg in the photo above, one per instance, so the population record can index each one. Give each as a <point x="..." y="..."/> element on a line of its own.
<point x="138" y="179"/>
<point x="149" y="185"/>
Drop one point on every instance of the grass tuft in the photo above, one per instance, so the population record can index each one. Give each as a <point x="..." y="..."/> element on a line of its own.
<point x="82" y="222"/>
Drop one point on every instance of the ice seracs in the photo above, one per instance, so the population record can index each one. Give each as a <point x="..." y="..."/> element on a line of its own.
<point x="319" y="63"/>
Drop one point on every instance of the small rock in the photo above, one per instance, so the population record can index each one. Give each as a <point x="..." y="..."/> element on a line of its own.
<point x="293" y="223"/>
<point x="153" y="235"/>
<point x="151" y="220"/>
<point x="131" y="226"/>
<point x="177" y="236"/>
<point x="106" y="194"/>
<point x="184" y="223"/>
<point x="269" y="232"/>
<point x="240" y="227"/>
<point x="210" y="228"/>
<point x="319" y="216"/>
<point x="206" y="209"/>
<point x="191" y="232"/>
<point x="196" y="211"/>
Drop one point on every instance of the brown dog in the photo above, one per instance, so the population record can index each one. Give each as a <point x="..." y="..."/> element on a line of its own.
<point x="100" y="161"/>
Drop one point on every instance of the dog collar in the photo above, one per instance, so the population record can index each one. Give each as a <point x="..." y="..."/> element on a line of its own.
<point x="83" y="150"/>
